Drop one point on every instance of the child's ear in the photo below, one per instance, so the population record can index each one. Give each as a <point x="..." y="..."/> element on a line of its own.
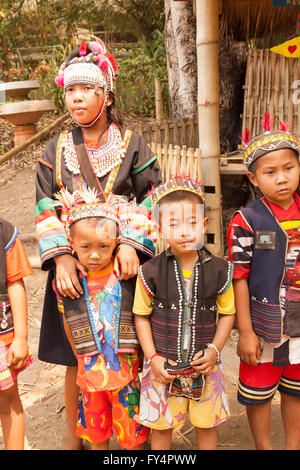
<point x="252" y="178"/>
<point x="205" y="224"/>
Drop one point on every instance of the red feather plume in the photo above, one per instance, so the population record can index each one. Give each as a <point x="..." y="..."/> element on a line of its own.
<point x="245" y="137"/>
<point x="284" y="126"/>
<point x="267" y="123"/>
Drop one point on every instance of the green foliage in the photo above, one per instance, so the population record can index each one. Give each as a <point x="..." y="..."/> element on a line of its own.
<point x="138" y="68"/>
<point x="53" y="23"/>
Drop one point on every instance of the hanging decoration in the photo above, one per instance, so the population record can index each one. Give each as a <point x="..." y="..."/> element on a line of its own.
<point x="289" y="48"/>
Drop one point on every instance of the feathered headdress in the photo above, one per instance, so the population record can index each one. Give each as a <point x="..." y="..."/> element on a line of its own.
<point x="86" y="54"/>
<point x="84" y="204"/>
<point x="180" y="182"/>
<point x="268" y="141"/>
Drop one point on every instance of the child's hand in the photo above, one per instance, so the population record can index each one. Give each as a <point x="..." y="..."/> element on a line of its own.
<point x="126" y="262"/>
<point x="158" y="369"/>
<point x="17" y="354"/>
<point x="206" y="362"/>
<point x="248" y="348"/>
<point x="66" y="276"/>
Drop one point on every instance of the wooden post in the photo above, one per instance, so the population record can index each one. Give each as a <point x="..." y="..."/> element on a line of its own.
<point x="158" y="100"/>
<point x="207" y="42"/>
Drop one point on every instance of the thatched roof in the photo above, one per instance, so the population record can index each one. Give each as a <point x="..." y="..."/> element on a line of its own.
<point x="250" y="19"/>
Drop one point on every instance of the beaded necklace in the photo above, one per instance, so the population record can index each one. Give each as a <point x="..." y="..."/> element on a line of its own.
<point x="103" y="159"/>
<point x="193" y="304"/>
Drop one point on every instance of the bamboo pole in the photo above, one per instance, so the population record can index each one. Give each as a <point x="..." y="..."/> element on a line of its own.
<point x="207" y="43"/>
<point x="158" y="100"/>
<point x="35" y="138"/>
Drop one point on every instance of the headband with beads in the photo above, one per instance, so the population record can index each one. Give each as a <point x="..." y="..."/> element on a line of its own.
<point x="176" y="183"/>
<point x="86" y="204"/>
<point x="268" y="141"/>
<point x="93" y="65"/>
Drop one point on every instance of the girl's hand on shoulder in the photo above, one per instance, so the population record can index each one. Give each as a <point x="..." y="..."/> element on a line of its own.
<point x="126" y="262"/>
<point x="158" y="369"/>
<point x="205" y="363"/>
<point x="67" y="281"/>
<point x="17" y="354"/>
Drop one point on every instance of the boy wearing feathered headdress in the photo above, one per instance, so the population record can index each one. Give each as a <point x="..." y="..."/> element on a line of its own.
<point x="264" y="245"/>
<point x="179" y="295"/>
<point x="99" y="324"/>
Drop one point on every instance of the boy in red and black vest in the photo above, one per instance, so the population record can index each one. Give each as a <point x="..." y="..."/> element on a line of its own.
<point x="179" y="294"/>
<point x="264" y="245"/>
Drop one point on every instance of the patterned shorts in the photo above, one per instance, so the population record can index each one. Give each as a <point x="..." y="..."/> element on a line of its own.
<point x="159" y="410"/>
<point x="258" y="384"/>
<point x="8" y="374"/>
<point x="102" y="413"/>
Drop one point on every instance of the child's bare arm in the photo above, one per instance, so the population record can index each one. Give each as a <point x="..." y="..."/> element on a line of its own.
<point x="248" y="345"/>
<point x="144" y="333"/>
<point x="18" y="351"/>
<point x="206" y="363"/>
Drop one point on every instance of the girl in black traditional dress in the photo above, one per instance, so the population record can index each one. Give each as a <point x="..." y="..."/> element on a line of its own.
<point x="101" y="154"/>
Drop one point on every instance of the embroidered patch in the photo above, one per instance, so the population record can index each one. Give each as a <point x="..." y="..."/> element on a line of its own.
<point x="265" y="240"/>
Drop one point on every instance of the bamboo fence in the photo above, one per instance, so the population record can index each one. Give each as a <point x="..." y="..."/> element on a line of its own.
<point x="173" y="158"/>
<point x="182" y="133"/>
<point x="271" y="85"/>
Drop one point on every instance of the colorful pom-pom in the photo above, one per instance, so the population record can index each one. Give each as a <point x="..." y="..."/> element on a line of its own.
<point x="102" y="62"/>
<point x="96" y="46"/>
<point x="59" y="80"/>
<point x="82" y="49"/>
<point x="113" y="62"/>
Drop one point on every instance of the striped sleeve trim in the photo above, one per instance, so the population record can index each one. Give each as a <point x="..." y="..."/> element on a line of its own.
<point x="136" y="172"/>
<point x="12" y="240"/>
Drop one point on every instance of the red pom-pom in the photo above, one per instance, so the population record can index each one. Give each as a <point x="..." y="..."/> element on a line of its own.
<point x="59" y="80"/>
<point x="83" y="49"/>
<point x="102" y="62"/>
<point x="113" y="62"/>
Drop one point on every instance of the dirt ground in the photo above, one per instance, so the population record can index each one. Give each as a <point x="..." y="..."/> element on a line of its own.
<point x="41" y="385"/>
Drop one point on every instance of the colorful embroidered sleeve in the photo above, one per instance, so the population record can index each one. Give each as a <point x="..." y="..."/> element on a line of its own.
<point x="51" y="235"/>
<point x="240" y="246"/>
<point x="140" y="231"/>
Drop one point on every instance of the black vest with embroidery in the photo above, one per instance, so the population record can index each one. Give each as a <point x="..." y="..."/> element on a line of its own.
<point x="83" y="334"/>
<point x="163" y="279"/>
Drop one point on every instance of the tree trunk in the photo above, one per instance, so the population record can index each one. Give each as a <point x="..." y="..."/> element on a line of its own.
<point x="180" y="42"/>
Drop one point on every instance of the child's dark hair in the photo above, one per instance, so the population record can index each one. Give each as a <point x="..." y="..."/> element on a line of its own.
<point x="177" y="196"/>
